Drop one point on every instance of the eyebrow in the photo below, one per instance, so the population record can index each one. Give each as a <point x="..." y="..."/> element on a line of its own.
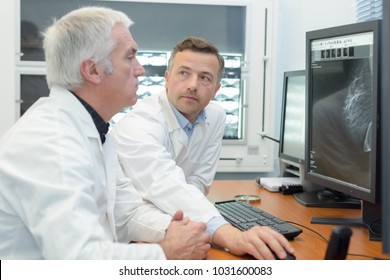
<point x="189" y="68"/>
<point x="131" y="51"/>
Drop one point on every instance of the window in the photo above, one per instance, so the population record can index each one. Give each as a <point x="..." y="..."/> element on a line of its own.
<point x="368" y="10"/>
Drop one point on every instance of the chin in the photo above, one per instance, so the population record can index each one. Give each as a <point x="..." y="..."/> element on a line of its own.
<point x="133" y="101"/>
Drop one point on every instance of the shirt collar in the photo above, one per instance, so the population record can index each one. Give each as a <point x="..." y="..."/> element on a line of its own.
<point x="100" y="124"/>
<point x="185" y="124"/>
<point x="183" y="121"/>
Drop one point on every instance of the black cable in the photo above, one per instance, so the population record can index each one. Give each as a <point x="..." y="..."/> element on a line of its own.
<point x="319" y="234"/>
<point x="370" y="227"/>
<point x="273" y="139"/>
<point x="327" y="241"/>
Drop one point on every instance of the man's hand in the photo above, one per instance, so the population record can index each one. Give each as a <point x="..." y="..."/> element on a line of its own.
<point x="185" y="240"/>
<point x="258" y="242"/>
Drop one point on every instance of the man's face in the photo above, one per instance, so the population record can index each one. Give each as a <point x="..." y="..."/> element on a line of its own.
<point x="192" y="82"/>
<point x="122" y="84"/>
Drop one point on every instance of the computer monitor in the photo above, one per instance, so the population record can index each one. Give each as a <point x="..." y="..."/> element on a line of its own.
<point x="292" y="126"/>
<point x="385" y="128"/>
<point x="342" y="122"/>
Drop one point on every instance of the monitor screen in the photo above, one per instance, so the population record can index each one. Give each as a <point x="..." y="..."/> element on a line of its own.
<point x="342" y="113"/>
<point x="292" y="127"/>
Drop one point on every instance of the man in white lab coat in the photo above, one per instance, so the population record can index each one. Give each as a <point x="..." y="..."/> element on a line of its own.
<point x="169" y="145"/>
<point x="63" y="194"/>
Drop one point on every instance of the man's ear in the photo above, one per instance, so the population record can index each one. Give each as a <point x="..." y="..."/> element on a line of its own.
<point x="166" y="76"/>
<point x="216" y="90"/>
<point x="89" y="70"/>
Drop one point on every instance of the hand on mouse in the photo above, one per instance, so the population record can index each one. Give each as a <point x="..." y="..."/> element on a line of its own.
<point x="260" y="242"/>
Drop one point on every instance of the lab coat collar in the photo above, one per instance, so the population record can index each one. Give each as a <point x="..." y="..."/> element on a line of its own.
<point x="173" y="123"/>
<point x="175" y="130"/>
<point x="100" y="124"/>
<point x="70" y="101"/>
<point x="174" y="127"/>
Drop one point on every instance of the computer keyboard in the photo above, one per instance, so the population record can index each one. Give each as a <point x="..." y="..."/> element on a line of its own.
<point x="244" y="216"/>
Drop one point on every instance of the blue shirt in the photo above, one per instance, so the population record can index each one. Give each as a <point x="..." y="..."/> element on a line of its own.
<point x="185" y="124"/>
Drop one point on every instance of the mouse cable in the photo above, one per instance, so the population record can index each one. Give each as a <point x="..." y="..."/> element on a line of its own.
<point x="319" y="234"/>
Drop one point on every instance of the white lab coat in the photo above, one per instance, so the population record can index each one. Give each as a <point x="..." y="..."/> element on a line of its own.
<point x="63" y="194"/>
<point x="165" y="167"/>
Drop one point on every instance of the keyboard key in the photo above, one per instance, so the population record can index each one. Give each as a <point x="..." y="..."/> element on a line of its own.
<point x="245" y="216"/>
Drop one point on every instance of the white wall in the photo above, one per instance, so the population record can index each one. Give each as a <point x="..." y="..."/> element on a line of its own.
<point x="293" y="18"/>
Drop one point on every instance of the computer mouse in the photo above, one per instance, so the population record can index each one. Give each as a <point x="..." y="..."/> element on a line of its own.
<point x="288" y="257"/>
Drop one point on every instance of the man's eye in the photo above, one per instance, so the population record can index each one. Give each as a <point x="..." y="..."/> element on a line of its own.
<point x="206" y="80"/>
<point x="183" y="74"/>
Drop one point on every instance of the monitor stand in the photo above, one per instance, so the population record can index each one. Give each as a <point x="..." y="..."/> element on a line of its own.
<point x="371" y="219"/>
<point x="327" y="199"/>
<point x="371" y="212"/>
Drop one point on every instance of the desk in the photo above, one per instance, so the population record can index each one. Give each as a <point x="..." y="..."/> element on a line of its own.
<point x="308" y="245"/>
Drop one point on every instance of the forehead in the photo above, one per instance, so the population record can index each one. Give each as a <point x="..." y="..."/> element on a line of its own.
<point x="123" y="37"/>
<point x="205" y="62"/>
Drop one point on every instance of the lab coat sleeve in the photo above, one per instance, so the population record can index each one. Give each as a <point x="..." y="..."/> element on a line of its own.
<point x="144" y="158"/>
<point x="137" y="219"/>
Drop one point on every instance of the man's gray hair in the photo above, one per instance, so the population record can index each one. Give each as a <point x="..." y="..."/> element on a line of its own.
<point x="82" y="34"/>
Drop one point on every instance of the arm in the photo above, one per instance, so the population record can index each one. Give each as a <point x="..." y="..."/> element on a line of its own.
<point x="179" y="237"/>
<point x="142" y="149"/>
<point x="136" y="219"/>
<point x="253" y="242"/>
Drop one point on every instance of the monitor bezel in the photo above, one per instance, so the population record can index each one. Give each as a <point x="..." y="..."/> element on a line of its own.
<point x="385" y="131"/>
<point x="282" y="155"/>
<point x="372" y="196"/>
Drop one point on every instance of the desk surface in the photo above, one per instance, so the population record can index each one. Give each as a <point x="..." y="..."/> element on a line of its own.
<point x="308" y="245"/>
